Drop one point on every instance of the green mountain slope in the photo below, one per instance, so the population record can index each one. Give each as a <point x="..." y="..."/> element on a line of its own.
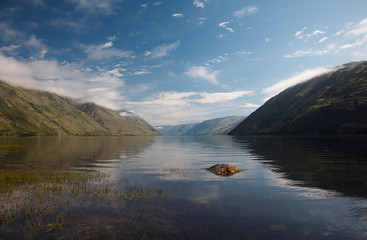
<point x="217" y="126"/>
<point x="26" y="112"/>
<point x="333" y="103"/>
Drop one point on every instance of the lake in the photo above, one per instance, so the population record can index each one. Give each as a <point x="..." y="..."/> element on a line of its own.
<point x="159" y="188"/>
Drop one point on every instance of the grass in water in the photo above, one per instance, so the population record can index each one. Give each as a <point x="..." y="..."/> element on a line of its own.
<point x="69" y="205"/>
<point x="11" y="147"/>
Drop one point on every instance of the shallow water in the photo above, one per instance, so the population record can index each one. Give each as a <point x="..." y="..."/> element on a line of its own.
<point x="291" y="187"/>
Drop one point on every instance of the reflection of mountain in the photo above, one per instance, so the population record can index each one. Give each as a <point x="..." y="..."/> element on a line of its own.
<point x="330" y="163"/>
<point x="61" y="153"/>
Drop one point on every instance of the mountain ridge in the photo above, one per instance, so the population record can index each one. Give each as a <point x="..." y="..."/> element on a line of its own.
<point x="25" y="112"/>
<point x="332" y="103"/>
<point x="216" y="126"/>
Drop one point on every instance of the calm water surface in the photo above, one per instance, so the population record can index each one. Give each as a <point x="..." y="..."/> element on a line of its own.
<point x="291" y="187"/>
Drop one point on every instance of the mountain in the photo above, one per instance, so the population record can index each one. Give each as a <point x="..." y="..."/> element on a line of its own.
<point x="217" y="126"/>
<point x="332" y="103"/>
<point x="26" y="112"/>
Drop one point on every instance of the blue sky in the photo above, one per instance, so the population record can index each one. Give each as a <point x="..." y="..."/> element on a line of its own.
<point x="177" y="61"/>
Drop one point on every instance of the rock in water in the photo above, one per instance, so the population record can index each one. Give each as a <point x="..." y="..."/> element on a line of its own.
<point x="224" y="169"/>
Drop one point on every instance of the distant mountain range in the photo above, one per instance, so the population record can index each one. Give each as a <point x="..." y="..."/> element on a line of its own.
<point x="26" y="112"/>
<point x="332" y="103"/>
<point x="217" y="126"/>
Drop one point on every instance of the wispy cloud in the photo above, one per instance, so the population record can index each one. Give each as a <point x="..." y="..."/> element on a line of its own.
<point x="299" y="33"/>
<point x="141" y="72"/>
<point x="246" y="11"/>
<point x="315" y="33"/>
<point x="243" y="53"/>
<point x="205" y="73"/>
<point x="352" y="36"/>
<point x="177" y="15"/>
<point x="250" y="105"/>
<point x="8" y="33"/>
<point x="221" y="97"/>
<point x="202" y="20"/>
<point x="311" y="52"/>
<point x="323" y="39"/>
<point x="199" y="3"/>
<point x="294" y="80"/>
<point x="360" y="29"/>
<point x="359" y="33"/>
<point x="95" y="7"/>
<point x="106" y="51"/>
<point x="157" y="4"/>
<point x="224" y="25"/>
<point x="164" y="50"/>
<point x="218" y="59"/>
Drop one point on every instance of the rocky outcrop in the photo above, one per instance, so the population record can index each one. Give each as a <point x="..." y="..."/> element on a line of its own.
<point x="224" y="169"/>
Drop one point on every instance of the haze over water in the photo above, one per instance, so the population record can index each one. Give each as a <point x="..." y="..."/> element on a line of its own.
<point x="290" y="187"/>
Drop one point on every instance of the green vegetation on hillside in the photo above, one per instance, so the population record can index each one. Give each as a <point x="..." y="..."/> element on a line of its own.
<point x="26" y="112"/>
<point x="333" y="103"/>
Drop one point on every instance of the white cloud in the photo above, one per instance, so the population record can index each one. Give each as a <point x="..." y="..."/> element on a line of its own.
<point x="201" y="72"/>
<point x="35" y="43"/>
<point x="141" y="72"/>
<point x="164" y="50"/>
<point x="221" y="97"/>
<point x="157" y="4"/>
<point x="172" y="107"/>
<point x="105" y="51"/>
<point x="116" y="72"/>
<point x="199" y="3"/>
<point x="294" y="80"/>
<point x="360" y="29"/>
<point x="356" y="43"/>
<point x="177" y="15"/>
<point x="299" y="33"/>
<point x="9" y="49"/>
<point x="245" y="11"/>
<point x="323" y="39"/>
<point x="243" y="53"/>
<point x="147" y="53"/>
<point x="95" y="7"/>
<point x="107" y="45"/>
<point x="202" y="20"/>
<point x="346" y="28"/>
<point x="301" y="53"/>
<point x="218" y="59"/>
<point x="315" y="33"/>
<point x="64" y="79"/>
<point x="267" y="39"/>
<point x="225" y="26"/>
<point x="250" y="105"/>
<point x="8" y="33"/>
<point x="144" y="5"/>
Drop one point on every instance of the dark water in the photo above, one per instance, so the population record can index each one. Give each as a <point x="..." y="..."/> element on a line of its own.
<point x="291" y="187"/>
